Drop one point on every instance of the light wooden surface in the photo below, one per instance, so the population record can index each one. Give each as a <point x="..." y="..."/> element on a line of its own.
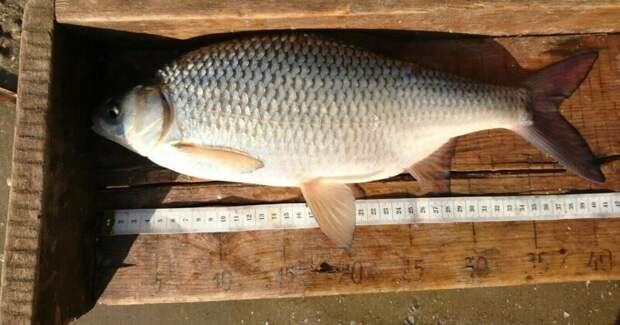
<point x="186" y="19"/>
<point x="269" y="264"/>
<point x="21" y="254"/>
<point x="272" y="264"/>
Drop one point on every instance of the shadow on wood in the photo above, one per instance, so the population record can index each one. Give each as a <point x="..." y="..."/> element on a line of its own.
<point x="477" y="58"/>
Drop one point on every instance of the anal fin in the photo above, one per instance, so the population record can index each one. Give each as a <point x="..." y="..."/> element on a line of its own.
<point x="433" y="172"/>
<point x="333" y="206"/>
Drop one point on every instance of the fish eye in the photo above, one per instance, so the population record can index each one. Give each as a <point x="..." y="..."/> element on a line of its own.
<point x="114" y="112"/>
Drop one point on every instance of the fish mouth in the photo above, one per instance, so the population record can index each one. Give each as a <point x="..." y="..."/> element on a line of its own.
<point x="99" y="129"/>
<point x="95" y="119"/>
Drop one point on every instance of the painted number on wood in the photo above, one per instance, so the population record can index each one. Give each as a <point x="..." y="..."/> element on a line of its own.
<point x="538" y="260"/>
<point x="223" y="280"/>
<point x="601" y="260"/>
<point x="286" y="273"/>
<point x="357" y="272"/>
<point x="478" y="266"/>
<point x="415" y="267"/>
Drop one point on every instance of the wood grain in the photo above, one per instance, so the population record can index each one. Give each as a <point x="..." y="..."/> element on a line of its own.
<point x="49" y="253"/>
<point x="301" y="263"/>
<point x="67" y="251"/>
<point x="186" y="19"/>
<point x="297" y="263"/>
<point x="21" y="252"/>
<point x="479" y="183"/>
<point x="8" y="96"/>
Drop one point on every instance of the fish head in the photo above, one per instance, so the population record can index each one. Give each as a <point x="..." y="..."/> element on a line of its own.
<point x="136" y="120"/>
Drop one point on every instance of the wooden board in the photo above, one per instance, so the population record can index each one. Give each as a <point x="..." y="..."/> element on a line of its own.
<point x="301" y="263"/>
<point x="49" y="254"/>
<point x="263" y="264"/>
<point x="186" y="19"/>
<point x="21" y="252"/>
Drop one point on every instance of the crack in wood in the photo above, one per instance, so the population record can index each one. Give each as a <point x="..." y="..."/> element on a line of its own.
<point x="535" y="235"/>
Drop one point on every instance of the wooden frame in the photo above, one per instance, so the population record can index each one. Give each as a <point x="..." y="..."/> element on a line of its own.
<point x="186" y="19"/>
<point x="49" y="252"/>
<point x="20" y="269"/>
<point x="63" y="176"/>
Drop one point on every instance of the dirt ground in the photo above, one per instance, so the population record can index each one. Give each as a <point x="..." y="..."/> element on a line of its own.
<point x="575" y="303"/>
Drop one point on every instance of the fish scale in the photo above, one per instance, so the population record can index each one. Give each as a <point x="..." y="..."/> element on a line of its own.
<point x="291" y="109"/>
<point x="364" y="97"/>
<point x="310" y="96"/>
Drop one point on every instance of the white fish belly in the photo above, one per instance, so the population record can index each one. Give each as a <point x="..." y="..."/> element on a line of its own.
<point x="311" y="108"/>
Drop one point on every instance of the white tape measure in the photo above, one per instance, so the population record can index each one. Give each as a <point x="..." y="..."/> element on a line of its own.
<point x="369" y="212"/>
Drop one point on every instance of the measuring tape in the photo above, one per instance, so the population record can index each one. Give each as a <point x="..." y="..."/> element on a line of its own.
<point x="369" y="212"/>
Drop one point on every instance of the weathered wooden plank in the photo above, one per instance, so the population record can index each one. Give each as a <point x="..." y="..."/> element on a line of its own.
<point x="49" y="255"/>
<point x="270" y="264"/>
<point x="66" y="253"/>
<point x="480" y="183"/>
<point x="186" y="19"/>
<point x="7" y="96"/>
<point x="19" y="289"/>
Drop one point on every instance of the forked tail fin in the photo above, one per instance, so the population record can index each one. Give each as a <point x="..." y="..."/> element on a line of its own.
<point x="550" y="131"/>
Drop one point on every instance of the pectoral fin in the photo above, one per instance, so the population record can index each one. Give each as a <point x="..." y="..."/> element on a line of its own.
<point x="433" y="172"/>
<point x="333" y="206"/>
<point x="222" y="157"/>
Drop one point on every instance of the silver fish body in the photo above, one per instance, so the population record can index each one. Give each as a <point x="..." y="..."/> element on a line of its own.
<point x="294" y="109"/>
<point x="308" y="107"/>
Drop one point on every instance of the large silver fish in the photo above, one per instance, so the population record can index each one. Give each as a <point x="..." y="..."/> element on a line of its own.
<point x="300" y="110"/>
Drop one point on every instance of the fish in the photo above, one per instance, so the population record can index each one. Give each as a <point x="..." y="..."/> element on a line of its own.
<point x="320" y="114"/>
